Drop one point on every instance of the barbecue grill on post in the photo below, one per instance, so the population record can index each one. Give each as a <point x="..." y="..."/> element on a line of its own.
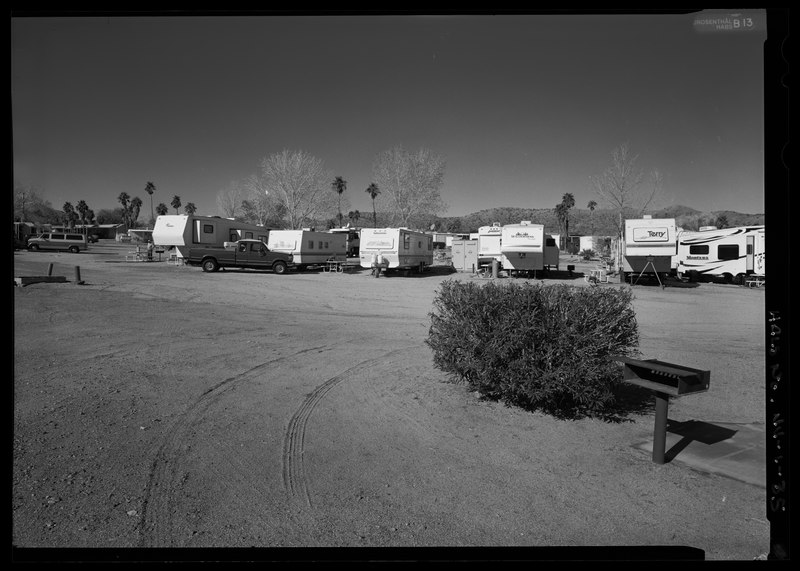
<point x="664" y="380"/>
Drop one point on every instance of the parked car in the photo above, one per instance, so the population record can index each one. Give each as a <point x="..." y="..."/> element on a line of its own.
<point x="93" y="238"/>
<point x="58" y="241"/>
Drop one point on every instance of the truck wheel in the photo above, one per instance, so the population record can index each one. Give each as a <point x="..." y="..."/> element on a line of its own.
<point x="34" y="248"/>
<point x="74" y="249"/>
<point x="210" y="265"/>
<point x="279" y="267"/>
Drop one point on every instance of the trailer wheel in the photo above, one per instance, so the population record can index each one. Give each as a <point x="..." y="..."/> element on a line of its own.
<point x="279" y="267"/>
<point x="739" y="280"/>
<point x="210" y="265"/>
<point x="727" y="278"/>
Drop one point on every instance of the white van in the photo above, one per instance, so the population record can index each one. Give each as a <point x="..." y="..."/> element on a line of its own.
<point x="58" y="241"/>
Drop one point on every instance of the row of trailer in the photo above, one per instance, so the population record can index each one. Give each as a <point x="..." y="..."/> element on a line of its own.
<point x="649" y="246"/>
<point x="657" y="246"/>
<point x="402" y="248"/>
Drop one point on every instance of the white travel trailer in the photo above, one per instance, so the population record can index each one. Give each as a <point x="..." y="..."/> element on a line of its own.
<point x="729" y="253"/>
<point x="183" y="231"/>
<point x="403" y="248"/>
<point x="525" y="248"/>
<point x="489" y="240"/>
<point x="309" y="247"/>
<point x="649" y="246"/>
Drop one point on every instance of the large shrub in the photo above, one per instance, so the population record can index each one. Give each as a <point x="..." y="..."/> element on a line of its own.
<point x="536" y="346"/>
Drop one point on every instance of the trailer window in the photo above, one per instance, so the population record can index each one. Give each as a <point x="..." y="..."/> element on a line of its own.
<point x="551" y="242"/>
<point x="311" y="244"/>
<point x="728" y="252"/>
<point x="320" y="244"/>
<point x="326" y="245"/>
<point x="208" y="228"/>
<point x="407" y="241"/>
<point x="248" y="235"/>
<point x="430" y="245"/>
<point x="699" y="249"/>
<point x="233" y="237"/>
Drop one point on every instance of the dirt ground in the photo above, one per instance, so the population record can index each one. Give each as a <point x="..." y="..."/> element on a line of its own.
<point x="159" y="406"/>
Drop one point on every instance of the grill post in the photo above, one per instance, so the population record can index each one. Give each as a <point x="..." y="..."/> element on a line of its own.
<point x="660" y="427"/>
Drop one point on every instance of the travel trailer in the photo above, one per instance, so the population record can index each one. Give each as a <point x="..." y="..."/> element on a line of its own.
<point x="649" y="246"/>
<point x="523" y="248"/>
<point x="309" y="247"/>
<point x="182" y="231"/>
<point x="403" y="248"/>
<point x="489" y="239"/>
<point x="730" y="253"/>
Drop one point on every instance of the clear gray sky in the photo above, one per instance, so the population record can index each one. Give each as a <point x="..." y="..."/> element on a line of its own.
<point x="524" y="108"/>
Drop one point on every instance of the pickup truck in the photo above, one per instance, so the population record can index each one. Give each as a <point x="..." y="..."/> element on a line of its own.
<point x="242" y="254"/>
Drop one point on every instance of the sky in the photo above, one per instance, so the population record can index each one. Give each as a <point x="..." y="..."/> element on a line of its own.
<point x="523" y="108"/>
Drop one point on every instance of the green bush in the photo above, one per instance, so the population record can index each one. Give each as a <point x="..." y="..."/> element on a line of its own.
<point x="535" y="346"/>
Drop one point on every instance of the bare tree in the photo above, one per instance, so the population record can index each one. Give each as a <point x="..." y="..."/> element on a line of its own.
<point x="620" y="186"/>
<point x="411" y="181"/>
<point x="260" y="206"/>
<point x="299" y="183"/>
<point x="229" y="199"/>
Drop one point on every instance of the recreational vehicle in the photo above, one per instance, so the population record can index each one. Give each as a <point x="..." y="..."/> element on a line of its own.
<point x="524" y="248"/>
<point x="182" y="231"/>
<point x="729" y="253"/>
<point x="309" y="247"/>
<point x="489" y="240"/>
<point x="649" y="246"/>
<point x="403" y="248"/>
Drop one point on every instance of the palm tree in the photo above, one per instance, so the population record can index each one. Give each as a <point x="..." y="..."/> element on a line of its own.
<point x="373" y="191"/>
<point x="150" y="189"/>
<point x="592" y="205"/>
<point x="136" y="207"/>
<point x="568" y="201"/>
<point x="162" y="209"/>
<point x="69" y="213"/>
<point x="124" y="198"/>
<point x="354" y="215"/>
<point x="176" y="203"/>
<point x="190" y="208"/>
<point x="339" y="185"/>
<point x="82" y="209"/>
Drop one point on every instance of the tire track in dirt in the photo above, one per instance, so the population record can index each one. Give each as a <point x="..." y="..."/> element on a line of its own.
<point x="294" y="478"/>
<point x="156" y="521"/>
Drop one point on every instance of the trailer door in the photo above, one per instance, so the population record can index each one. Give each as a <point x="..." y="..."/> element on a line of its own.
<point x="751" y="240"/>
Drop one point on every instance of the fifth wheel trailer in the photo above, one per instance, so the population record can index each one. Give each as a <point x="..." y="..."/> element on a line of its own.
<point x="182" y="231"/>
<point x="729" y="253"/>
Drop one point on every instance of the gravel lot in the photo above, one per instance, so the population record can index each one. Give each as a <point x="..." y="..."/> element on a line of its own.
<point x="159" y="406"/>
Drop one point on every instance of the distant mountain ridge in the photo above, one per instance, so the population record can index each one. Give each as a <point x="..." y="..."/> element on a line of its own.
<point x="598" y="222"/>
